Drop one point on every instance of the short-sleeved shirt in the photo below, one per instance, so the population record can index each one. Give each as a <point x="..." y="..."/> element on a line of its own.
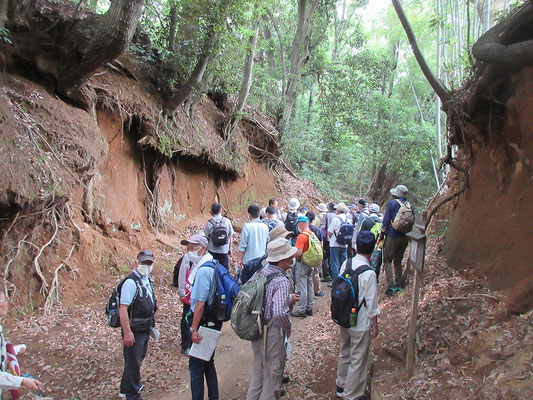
<point x="254" y="239"/>
<point x="129" y="288"/>
<point x="209" y="228"/>
<point x="302" y="241"/>
<point x="334" y="228"/>
<point x="203" y="287"/>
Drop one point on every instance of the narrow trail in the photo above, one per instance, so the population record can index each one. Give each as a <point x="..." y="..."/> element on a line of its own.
<point x="234" y="360"/>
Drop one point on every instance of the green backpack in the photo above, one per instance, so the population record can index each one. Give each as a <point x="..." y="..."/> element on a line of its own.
<point x="248" y="307"/>
<point x="376" y="227"/>
<point x="313" y="256"/>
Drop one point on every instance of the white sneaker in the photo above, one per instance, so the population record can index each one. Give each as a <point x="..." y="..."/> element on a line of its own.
<point x="123" y="395"/>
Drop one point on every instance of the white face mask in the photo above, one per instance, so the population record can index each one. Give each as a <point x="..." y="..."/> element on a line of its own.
<point x="144" y="269"/>
<point x="194" y="256"/>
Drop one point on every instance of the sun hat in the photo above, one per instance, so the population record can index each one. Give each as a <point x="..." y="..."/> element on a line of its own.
<point x="322" y="207"/>
<point x="145" y="255"/>
<point x="302" y="218"/>
<point x="294" y="204"/>
<point x="341" y="207"/>
<point x="352" y="206"/>
<point x="279" y="232"/>
<point x="399" y="191"/>
<point x="280" y="249"/>
<point x="195" y="239"/>
<point x="365" y="242"/>
<point x="374" y="208"/>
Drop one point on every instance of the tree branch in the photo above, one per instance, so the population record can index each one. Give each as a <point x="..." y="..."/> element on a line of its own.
<point x="439" y="88"/>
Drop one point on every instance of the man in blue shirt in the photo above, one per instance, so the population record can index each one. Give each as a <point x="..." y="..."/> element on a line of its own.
<point x="395" y="243"/>
<point x="136" y="312"/>
<point x="202" y="295"/>
<point x="254" y="238"/>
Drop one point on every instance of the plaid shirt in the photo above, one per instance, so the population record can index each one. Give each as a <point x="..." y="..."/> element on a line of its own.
<point x="277" y="297"/>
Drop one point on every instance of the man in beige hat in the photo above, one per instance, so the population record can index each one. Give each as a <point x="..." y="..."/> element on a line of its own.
<point x="269" y="351"/>
<point x="337" y="251"/>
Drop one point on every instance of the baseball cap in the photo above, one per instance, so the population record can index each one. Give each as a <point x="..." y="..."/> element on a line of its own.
<point x="145" y="255"/>
<point x="195" y="239"/>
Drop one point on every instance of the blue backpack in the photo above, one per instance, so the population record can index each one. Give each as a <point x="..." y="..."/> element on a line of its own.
<point x="226" y="290"/>
<point x="345" y="234"/>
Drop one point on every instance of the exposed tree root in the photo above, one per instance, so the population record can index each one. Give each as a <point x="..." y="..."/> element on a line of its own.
<point x="53" y="294"/>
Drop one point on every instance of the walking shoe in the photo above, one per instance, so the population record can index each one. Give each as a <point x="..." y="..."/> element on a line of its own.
<point x="286" y="379"/>
<point x="298" y="314"/>
<point x="309" y="313"/>
<point x="123" y="395"/>
<point x="340" y="392"/>
<point x="326" y="279"/>
<point x="319" y="294"/>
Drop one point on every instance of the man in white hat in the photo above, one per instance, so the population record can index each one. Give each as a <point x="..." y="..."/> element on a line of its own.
<point x="337" y="251"/>
<point x="322" y="209"/>
<point x="395" y="243"/>
<point x="269" y="352"/>
<point x="291" y="217"/>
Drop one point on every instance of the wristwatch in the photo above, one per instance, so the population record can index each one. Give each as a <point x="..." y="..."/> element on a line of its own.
<point x="193" y="330"/>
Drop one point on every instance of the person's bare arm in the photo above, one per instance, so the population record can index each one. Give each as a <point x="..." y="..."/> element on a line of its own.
<point x="129" y="339"/>
<point x="197" y="317"/>
<point x="239" y="258"/>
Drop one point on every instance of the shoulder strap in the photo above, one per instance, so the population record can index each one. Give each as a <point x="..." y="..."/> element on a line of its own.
<point x="273" y="275"/>
<point x="399" y="202"/>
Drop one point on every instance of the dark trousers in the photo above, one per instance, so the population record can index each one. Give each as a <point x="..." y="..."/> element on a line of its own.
<point x="221" y="257"/>
<point x="325" y="261"/>
<point x="198" y="369"/>
<point x="133" y="358"/>
<point x="186" y="342"/>
<point x="393" y="251"/>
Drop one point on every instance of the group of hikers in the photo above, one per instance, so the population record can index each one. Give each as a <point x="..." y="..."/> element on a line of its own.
<point x="282" y="258"/>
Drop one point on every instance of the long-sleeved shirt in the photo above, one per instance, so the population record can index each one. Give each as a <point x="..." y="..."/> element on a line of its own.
<point x="184" y="284"/>
<point x="368" y="291"/>
<point x="7" y="380"/>
<point x="390" y="213"/>
<point x="277" y="298"/>
<point x="254" y="239"/>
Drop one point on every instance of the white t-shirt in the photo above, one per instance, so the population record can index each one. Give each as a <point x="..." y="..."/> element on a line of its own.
<point x="334" y="228"/>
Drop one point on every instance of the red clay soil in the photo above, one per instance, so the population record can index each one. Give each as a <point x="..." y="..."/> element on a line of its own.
<point x="491" y="230"/>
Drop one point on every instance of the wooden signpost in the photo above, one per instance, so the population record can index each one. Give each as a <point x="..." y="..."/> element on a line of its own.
<point x="417" y="254"/>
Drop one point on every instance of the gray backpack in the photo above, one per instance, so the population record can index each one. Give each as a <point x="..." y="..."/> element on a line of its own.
<point x="248" y="307"/>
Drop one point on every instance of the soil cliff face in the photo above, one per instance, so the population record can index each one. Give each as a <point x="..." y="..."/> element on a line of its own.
<point x="82" y="191"/>
<point x="491" y="229"/>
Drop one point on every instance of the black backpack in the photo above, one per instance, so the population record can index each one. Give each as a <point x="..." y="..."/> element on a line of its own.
<point x="345" y="295"/>
<point x="176" y="273"/>
<point x="345" y="234"/>
<point x="219" y="235"/>
<point x="113" y="303"/>
<point x="250" y="268"/>
<point x="290" y="222"/>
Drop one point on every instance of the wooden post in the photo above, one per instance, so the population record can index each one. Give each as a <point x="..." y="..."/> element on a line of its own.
<point x="416" y="259"/>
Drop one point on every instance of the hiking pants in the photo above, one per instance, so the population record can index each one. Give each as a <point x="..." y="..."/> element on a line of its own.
<point x="393" y="250"/>
<point x="268" y="371"/>
<point x="337" y="256"/>
<point x="352" y="367"/>
<point x="133" y="358"/>
<point x="325" y="261"/>
<point x="185" y="328"/>
<point x="221" y="257"/>
<point x="197" y="369"/>
<point x="316" y="280"/>
<point x="304" y="285"/>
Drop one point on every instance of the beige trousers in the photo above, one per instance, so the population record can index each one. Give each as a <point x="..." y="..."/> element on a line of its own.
<point x="352" y="367"/>
<point x="268" y="372"/>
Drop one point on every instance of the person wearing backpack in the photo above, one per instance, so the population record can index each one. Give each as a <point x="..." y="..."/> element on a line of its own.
<point x="219" y="231"/>
<point x="186" y="273"/>
<point x="271" y="220"/>
<point x="269" y="350"/>
<point x="304" y="272"/>
<point x="291" y="218"/>
<point x="316" y="270"/>
<point x="326" y="221"/>
<point x="136" y="313"/>
<point x="254" y="238"/>
<point x="202" y="297"/>
<point x="362" y="312"/>
<point x="337" y="247"/>
<point x="398" y="220"/>
<point x="373" y="223"/>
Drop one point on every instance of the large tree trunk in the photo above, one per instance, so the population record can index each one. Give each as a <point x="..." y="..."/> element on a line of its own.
<point x="281" y="51"/>
<point x="233" y="119"/>
<point x="299" y="56"/>
<point x="94" y="41"/>
<point x="195" y="78"/>
<point x="172" y="27"/>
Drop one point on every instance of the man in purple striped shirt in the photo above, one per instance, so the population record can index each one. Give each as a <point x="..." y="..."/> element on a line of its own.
<point x="269" y="351"/>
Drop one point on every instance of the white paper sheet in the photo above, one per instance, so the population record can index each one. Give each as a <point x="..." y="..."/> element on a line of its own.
<point x="205" y="349"/>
